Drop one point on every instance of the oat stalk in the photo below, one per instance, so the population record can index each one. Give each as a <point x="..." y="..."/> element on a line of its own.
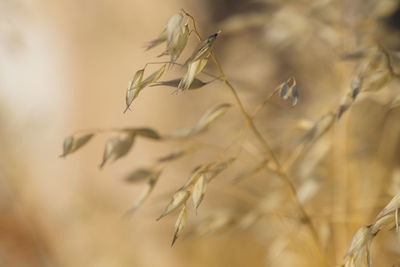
<point x="305" y="217"/>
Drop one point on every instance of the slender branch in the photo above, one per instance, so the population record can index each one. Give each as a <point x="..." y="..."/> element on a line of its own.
<point x="387" y="57"/>
<point x="266" y="101"/>
<point x="305" y="217"/>
<point x="193" y="23"/>
<point x="181" y="65"/>
<point x="99" y="131"/>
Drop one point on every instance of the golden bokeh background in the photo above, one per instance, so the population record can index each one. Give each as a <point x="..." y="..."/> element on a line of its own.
<point x="65" y="65"/>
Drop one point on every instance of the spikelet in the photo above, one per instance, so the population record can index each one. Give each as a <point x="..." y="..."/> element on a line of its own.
<point x="180" y="224"/>
<point x="197" y="61"/>
<point x="194" y="69"/>
<point x="288" y="90"/>
<point x="72" y="144"/>
<point x="178" y="199"/>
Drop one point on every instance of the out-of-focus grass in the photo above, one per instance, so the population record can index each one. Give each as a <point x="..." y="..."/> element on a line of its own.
<point x="74" y="70"/>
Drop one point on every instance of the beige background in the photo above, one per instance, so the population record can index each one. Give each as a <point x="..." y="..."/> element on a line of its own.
<point x="65" y="65"/>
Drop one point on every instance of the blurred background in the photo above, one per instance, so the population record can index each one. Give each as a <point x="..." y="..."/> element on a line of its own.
<point x="64" y="67"/>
